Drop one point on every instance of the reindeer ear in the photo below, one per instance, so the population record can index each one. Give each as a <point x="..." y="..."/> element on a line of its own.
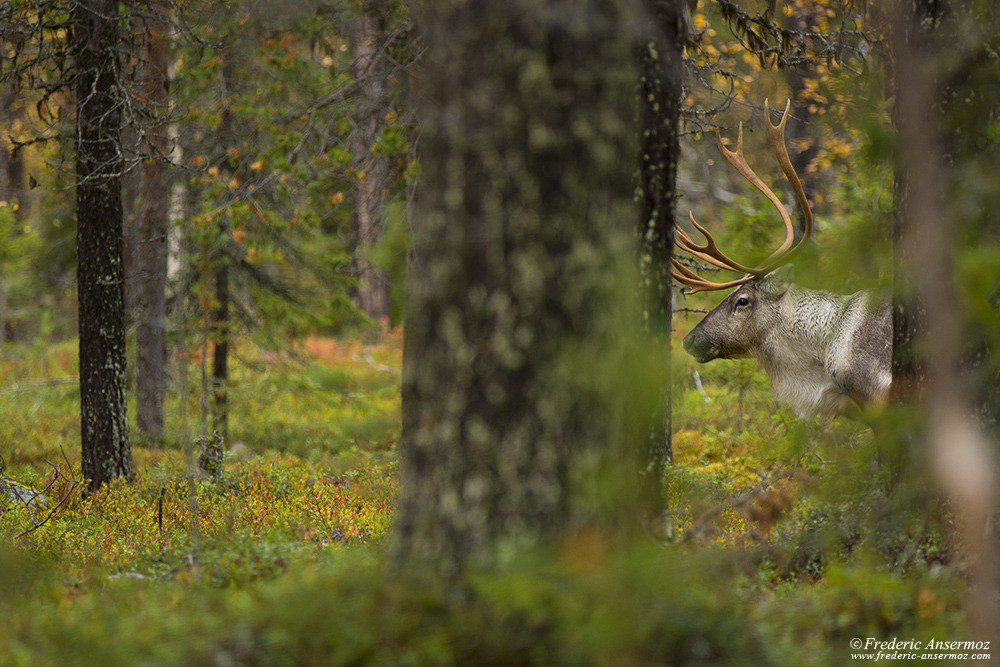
<point x="778" y="281"/>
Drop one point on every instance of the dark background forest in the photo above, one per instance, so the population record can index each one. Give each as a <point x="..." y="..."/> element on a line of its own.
<point x="344" y="333"/>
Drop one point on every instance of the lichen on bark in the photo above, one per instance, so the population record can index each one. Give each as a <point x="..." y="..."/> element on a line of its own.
<point x="525" y="198"/>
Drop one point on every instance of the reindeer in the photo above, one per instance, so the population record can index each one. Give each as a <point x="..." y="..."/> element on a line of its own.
<point x="825" y="354"/>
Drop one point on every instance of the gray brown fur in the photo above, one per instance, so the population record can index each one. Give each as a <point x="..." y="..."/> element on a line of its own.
<point x="825" y="354"/>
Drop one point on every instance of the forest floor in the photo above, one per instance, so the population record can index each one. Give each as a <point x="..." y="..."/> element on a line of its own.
<point x="812" y="542"/>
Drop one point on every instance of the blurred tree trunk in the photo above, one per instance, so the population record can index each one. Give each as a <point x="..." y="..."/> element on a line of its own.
<point x="525" y="199"/>
<point x="11" y="171"/>
<point x="220" y="352"/>
<point x="11" y="163"/>
<point x="106" y="453"/>
<point x="928" y="233"/>
<point x="371" y="105"/>
<point x="220" y="321"/>
<point x="802" y="20"/>
<point x="151" y="228"/>
<point x="908" y="311"/>
<point x="130" y="233"/>
<point x="661" y="90"/>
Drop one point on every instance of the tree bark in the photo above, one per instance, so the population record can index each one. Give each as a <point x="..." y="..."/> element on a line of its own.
<point x="908" y="310"/>
<point x="151" y="230"/>
<point x="962" y="462"/>
<point x="661" y="90"/>
<point x="523" y="204"/>
<point x="371" y="169"/>
<point x="106" y="453"/>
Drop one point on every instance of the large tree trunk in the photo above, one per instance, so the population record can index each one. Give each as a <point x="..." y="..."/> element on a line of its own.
<point x="371" y="169"/>
<point x="525" y="199"/>
<point x="103" y="427"/>
<point x="962" y="462"/>
<point x="660" y="95"/>
<point x="151" y="231"/>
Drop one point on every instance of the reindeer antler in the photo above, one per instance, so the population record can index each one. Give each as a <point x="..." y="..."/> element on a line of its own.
<point x="709" y="251"/>
<point x="776" y="136"/>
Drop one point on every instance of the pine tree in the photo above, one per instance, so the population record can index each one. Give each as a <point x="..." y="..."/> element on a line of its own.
<point x="106" y="453"/>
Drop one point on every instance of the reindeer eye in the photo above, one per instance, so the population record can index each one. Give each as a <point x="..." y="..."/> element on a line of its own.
<point x="742" y="302"/>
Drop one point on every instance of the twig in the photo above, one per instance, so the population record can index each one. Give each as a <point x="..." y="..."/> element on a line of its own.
<point x="367" y="358"/>
<point x="701" y="390"/>
<point x="55" y="509"/>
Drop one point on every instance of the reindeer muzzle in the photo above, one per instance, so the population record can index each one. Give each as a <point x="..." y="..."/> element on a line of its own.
<point x="698" y="345"/>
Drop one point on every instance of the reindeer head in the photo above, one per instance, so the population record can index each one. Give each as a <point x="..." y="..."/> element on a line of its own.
<point x="740" y="323"/>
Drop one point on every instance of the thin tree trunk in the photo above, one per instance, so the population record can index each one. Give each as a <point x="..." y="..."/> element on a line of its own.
<point x="220" y="352"/>
<point x="106" y="453"/>
<point x="659" y="104"/>
<point x="130" y="231"/>
<point x="151" y="232"/>
<point x="371" y="169"/>
<point x="221" y="324"/>
<point x="11" y="162"/>
<point x="11" y="178"/>
<point x="802" y="20"/>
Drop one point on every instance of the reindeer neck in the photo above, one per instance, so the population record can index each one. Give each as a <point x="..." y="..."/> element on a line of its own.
<point x="812" y="313"/>
<point x="803" y="323"/>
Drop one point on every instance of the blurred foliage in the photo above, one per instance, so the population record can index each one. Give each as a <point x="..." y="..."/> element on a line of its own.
<point x="346" y="611"/>
<point x="786" y="539"/>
